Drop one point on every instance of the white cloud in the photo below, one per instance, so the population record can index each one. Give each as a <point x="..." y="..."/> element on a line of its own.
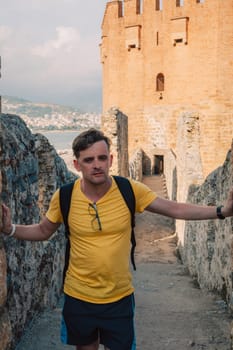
<point x="67" y="39"/>
<point x="51" y="48"/>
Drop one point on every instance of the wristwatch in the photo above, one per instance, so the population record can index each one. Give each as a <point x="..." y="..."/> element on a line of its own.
<point x="219" y="212"/>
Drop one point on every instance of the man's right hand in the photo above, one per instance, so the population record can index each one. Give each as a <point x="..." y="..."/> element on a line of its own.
<point x="6" y="227"/>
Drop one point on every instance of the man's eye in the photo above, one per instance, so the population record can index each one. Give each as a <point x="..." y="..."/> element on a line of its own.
<point x="103" y="157"/>
<point x="88" y="160"/>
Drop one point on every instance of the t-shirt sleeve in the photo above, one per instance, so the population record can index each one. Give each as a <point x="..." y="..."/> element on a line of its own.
<point x="143" y="195"/>
<point x="54" y="212"/>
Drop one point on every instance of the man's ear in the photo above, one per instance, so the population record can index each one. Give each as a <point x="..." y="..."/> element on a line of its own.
<point x="76" y="164"/>
<point x="110" y="160"/>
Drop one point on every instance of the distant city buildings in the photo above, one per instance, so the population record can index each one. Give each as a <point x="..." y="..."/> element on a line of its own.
<point x="50" y="117"/>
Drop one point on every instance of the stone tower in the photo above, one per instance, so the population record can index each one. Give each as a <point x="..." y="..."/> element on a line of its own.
<point x="166" y="61"/>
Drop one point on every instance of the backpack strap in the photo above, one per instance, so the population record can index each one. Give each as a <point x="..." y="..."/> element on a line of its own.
<point x="65" y="200"/>
<point x="65" y="193"/>
<point x="129" y="198"/>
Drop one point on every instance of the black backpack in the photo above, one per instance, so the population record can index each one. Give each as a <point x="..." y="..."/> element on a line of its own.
<point x="126" y="192"/>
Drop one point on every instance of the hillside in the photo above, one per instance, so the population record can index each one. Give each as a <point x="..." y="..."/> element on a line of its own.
<point x="43" y="116"/>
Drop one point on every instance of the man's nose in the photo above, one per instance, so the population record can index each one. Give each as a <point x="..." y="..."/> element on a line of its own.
<point x="96" y="163"/>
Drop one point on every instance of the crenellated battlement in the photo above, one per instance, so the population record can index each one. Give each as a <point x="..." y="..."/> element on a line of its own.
<point x="125" y="8"/>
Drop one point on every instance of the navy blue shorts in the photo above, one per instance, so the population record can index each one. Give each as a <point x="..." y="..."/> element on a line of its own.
<point x="83" y="323"/>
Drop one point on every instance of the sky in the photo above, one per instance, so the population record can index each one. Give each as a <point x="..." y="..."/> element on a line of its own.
<point x="50" y="51"/>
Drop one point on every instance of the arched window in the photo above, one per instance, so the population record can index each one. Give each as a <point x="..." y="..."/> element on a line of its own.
<point x="160" y="82"/>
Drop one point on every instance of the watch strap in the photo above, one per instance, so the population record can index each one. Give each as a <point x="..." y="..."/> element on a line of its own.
<point x="219" y="212"/>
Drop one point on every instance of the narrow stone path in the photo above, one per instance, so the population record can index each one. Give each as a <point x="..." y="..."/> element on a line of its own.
<point x="172" y="313"/>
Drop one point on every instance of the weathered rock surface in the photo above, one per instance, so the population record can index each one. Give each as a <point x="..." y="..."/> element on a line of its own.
<point x="208" y="244"/>
<point x="31" y="171"/>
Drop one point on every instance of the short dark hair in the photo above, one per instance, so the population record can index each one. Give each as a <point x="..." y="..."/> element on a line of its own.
<point x="88" y="138"/>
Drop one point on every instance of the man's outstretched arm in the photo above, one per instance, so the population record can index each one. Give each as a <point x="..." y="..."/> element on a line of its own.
<point x="188" y="211"/>
<point x="34" y="232"/>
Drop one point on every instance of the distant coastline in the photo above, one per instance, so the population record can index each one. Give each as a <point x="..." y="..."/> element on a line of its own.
<point x="43" y="117"/>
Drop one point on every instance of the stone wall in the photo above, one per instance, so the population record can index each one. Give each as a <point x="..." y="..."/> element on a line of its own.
<point x="5" y="327"/>
<point x="30" y="272"/>
<point x="208" y="245"/>
<point x="188" y="160"/>
<point x="135" y="165"/>
<point x="114" y="124"/>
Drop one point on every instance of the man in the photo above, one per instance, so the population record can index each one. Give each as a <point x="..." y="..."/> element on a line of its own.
<point x="99" y="300"/>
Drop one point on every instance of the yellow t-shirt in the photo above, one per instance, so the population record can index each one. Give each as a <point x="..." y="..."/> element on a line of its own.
<point x="98" y="269"/>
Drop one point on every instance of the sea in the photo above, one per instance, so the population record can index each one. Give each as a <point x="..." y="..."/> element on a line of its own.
<point x="61" y="139"/>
